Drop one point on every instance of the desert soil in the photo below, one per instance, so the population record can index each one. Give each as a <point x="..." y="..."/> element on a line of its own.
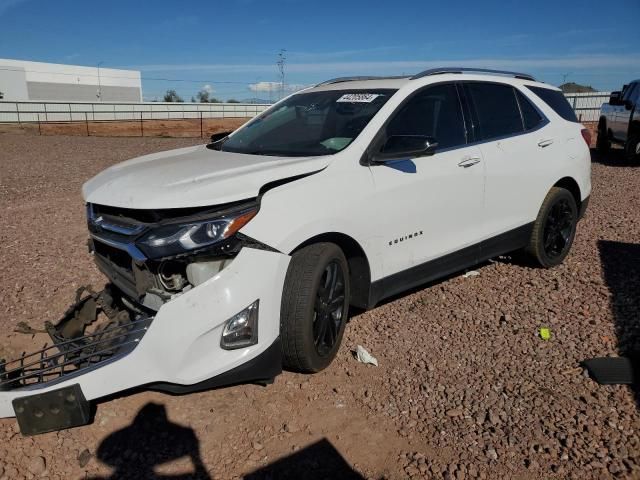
<point x="465" y="387"/>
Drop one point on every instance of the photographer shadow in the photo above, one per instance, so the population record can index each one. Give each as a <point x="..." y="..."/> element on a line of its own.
<point x="151" y="440"/>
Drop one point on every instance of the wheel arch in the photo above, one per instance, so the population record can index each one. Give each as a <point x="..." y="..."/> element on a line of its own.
<point x="359" y="268"/>
<point x="568" y="183"/>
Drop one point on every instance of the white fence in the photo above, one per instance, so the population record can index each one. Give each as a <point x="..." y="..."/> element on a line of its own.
<point x="586" y="106"/>
<point x="27" y="112"/>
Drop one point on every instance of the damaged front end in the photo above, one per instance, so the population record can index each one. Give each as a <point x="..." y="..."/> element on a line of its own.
<point x="191" y="304"/>
<point x="152" y="256"/>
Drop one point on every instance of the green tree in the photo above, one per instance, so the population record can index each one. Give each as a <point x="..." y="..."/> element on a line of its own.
<point x="172" y="96"/>
<point x="203" y="96"/>
<point x="233" y="100"/>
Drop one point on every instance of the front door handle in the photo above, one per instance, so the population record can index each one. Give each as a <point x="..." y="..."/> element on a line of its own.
<point x="467" y="162"/>
<point x="545" y="143"/>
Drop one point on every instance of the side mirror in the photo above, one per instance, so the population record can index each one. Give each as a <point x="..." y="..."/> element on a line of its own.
<point x="405" y="146"/>
<point x="614" y="99"/>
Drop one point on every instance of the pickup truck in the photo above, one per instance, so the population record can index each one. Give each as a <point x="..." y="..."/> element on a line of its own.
<point x="620" y="122"/>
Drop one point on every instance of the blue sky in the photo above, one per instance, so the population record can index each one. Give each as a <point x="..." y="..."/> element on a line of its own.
<point x="231" y="47"/>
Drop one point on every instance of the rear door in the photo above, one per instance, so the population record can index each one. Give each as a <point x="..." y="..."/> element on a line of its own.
<point x="428" y="206"/>
<point x="623" y="114"/>
<point x="516" y="142"/>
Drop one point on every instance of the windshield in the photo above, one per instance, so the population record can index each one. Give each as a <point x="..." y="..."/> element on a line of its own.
<point x="309" y="124"/>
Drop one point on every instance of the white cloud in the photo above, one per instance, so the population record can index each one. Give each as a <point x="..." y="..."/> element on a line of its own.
<point x="208" y="88"/>
<point x="274" y="87"/>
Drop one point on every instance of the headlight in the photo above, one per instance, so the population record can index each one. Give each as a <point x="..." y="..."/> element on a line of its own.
<point x="178" y="238"/>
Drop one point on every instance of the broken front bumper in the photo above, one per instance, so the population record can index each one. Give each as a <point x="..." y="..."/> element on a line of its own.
<point x="178" y="349"/>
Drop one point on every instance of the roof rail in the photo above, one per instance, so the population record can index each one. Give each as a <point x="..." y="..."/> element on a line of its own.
<point x="442" y="70"/>
<point x="361" y="78"/>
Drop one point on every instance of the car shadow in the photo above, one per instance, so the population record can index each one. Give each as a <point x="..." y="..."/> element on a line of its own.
<point x="614" y="158"/>
<point x="151" y="440"/>
<point x="621" y="269"/>
<point x="318" y="461"/>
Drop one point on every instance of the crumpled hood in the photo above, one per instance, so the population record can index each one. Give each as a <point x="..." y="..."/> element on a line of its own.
<point x="192" y="177"/>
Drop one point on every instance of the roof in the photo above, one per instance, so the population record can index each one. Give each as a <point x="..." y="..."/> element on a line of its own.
<point x="372" y="82"/>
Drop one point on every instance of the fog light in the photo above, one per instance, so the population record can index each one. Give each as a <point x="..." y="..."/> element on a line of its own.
<point x="241" y="330"/>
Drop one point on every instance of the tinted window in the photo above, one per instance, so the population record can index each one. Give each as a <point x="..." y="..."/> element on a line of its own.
<point x="556" y="100"/>
<point x="434" y="112"/>
<point x="628" y="92"/>
<point x="496" y="110"/>
<point x="530" y="116"/>
<point x="632" y="93"/>
<point x="636" y="94"/>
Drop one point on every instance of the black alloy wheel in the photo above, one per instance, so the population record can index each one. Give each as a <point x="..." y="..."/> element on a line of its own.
<point x="328" y="310"/>
<point x="558" y="228"/>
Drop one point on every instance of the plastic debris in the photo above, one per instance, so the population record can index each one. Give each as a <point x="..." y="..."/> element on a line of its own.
<point x="365" y="357"/>
<point x="545" y="333"/>
<point x="471" y="273"/>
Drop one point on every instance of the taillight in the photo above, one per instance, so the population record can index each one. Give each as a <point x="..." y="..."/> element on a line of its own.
<point x="586" y="134"/>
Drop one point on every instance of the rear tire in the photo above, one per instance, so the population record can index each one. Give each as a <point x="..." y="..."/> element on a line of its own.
<point x="603" y="145"/>
<point x="554" y="229"/>
<point x="315" y="304"/>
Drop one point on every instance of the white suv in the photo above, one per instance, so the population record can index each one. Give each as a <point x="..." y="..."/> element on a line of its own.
<point x="231" y="259"/>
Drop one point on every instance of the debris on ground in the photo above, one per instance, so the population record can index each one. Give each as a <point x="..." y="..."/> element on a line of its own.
<point x="471" y="273"/>
<point x="545" y="333"/>
<point x="365" y="357"/>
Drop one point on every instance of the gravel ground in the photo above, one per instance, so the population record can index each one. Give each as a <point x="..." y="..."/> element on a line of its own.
<point x="465" y="387"/>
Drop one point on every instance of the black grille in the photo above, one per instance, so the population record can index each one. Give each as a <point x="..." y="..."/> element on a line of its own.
<point x="117" y="257"/>
<point x="69" y="357"/>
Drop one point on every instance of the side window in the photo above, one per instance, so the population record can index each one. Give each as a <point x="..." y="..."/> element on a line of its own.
<point x="630" y="91"/>
<point x="530" y="115"/>
<point x="556" y="100"/>
<point x="496" y="110"/>
<point x="434" y="112"/>
<point x="635" y="98"/>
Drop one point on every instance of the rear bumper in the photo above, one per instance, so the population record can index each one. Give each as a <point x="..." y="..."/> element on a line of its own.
<point x="181" y="350"/>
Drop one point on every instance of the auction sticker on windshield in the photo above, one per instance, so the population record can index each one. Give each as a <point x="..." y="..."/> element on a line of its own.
<point x="358" y="97"/>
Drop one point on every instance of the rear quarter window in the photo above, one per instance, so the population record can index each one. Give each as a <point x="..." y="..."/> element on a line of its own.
<point x="556" y="101"/>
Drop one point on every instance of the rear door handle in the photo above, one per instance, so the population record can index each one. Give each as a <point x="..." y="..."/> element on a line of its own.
<point x="545" y="143"/>
<point x="467" y="162"/>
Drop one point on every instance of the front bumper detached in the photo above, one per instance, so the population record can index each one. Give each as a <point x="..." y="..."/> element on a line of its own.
<point x="176" y="350"/>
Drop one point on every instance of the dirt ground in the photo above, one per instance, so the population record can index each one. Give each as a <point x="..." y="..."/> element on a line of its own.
<point x="188" y="128"/>
<point x="465" y="387"/>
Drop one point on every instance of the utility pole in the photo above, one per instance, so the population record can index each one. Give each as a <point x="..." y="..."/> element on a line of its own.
<point x="280" y="63"/>
<point x="99" y="95"/>
<point x="564" y="80"/>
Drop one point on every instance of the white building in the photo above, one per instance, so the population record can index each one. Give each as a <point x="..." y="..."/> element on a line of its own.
<point x="22" y="80"/>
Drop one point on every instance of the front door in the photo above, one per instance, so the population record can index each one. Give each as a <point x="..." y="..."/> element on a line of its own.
<point x="429" y="206"/>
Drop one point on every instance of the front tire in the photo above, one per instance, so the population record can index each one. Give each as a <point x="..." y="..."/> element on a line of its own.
<point x="632" y="148"/>
<point x="554" y="229"/>
<point x="315" y="304"/>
